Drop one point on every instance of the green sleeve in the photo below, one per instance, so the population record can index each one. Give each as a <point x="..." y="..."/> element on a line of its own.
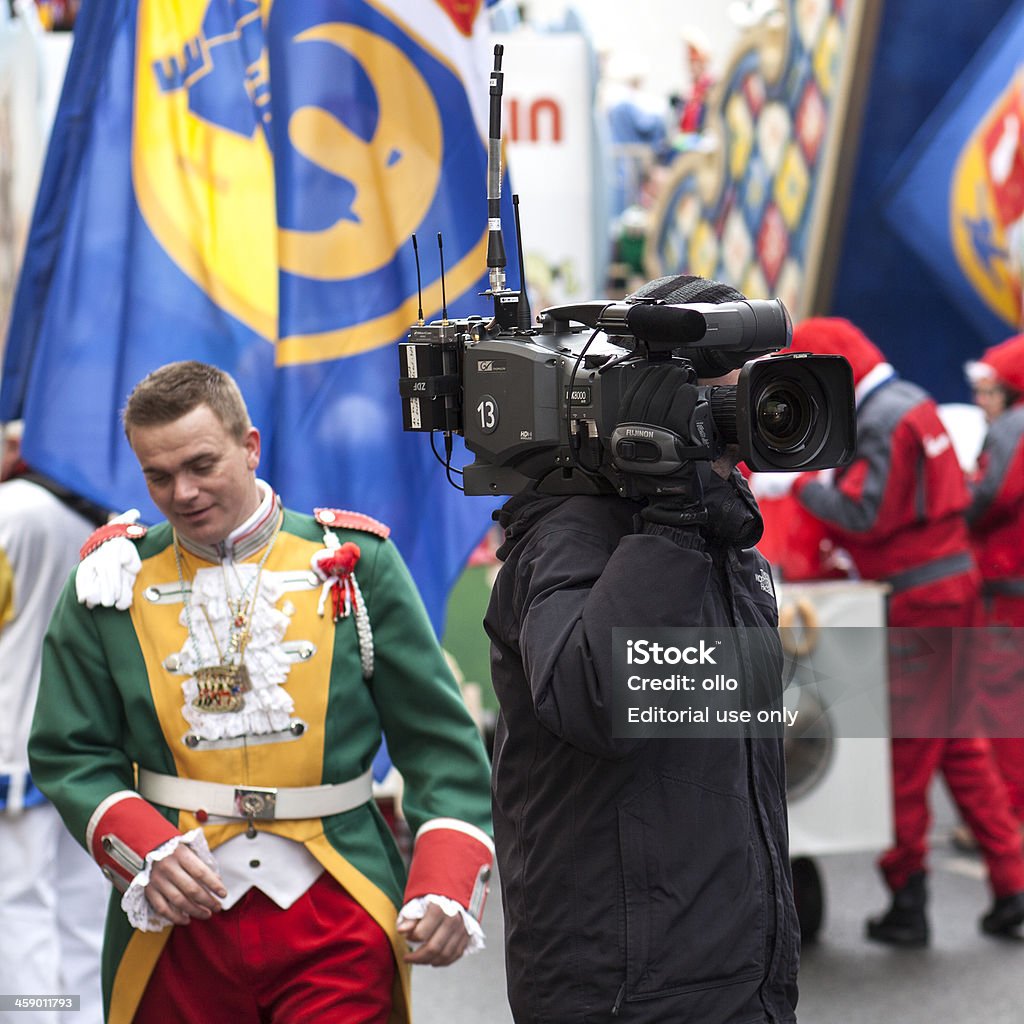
<point x="77" y="743"/>
<point x="431" y="736"/>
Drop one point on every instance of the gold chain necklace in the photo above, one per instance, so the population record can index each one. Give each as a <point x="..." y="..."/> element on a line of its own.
<point x="222" y="687"/>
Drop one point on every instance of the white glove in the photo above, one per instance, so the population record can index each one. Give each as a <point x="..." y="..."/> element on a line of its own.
<point x="106" y="576"/>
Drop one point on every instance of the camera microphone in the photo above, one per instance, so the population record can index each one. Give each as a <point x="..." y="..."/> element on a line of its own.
<point x="665" y="327"/>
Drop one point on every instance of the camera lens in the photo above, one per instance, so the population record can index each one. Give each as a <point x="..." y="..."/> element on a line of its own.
<point x="778" y="415"/>
<point x="785" y="414"/>
<point x="794" y="412"/>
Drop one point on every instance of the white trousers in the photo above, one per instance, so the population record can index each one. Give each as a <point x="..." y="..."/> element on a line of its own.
<point x="53" y="900"/>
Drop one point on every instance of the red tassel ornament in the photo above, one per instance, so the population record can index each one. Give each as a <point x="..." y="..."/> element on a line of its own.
<point x="334" y="566"/>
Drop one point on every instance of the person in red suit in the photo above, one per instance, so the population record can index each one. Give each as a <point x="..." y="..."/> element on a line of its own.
<point x="996" y="520"/>
<point x="693" y="106"/>
<point x="899" y="510"/>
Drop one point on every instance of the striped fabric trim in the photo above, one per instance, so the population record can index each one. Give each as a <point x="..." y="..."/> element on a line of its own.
<point x="97" y="815"/>
<point x="458" y="826"/>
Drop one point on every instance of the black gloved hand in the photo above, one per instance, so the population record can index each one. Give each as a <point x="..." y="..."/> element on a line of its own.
<point x="733" y="516"/>
<point x="663" y="397"/>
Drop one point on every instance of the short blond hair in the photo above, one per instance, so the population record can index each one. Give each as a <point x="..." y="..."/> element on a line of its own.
<point x="174" y="390"/>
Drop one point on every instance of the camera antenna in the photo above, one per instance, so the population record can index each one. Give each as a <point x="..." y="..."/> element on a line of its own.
<point x="449" y="404"/>
<point x="419" y="285"/>
<point x="525" y="316"/>
<point x="444" y="301"/>
<point x="495" y="244"/>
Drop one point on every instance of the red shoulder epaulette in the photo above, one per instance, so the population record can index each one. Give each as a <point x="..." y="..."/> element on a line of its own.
<point x="133" y="531"/>
<point x="345" y="520"/>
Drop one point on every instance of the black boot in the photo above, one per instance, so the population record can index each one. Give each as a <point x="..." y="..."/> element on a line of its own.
<point x="904" y="923"/>
<point x="1005" y="917"/>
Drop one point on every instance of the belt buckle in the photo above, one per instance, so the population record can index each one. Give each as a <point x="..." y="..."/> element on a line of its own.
<point x="255" y="802"/>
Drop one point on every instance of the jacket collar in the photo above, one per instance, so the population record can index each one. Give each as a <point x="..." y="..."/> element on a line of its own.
<point x="872" y="381"/>
<point x="520" y="513"/>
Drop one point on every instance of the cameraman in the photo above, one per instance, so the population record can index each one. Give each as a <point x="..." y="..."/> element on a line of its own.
<point x="643" y="880"/>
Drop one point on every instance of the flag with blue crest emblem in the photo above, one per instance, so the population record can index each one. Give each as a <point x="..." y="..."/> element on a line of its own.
<point x="957" y="197"/>
<point x="237" y="182"/>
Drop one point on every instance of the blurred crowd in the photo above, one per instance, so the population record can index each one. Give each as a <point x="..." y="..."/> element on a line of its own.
<point x="646" y="132"/>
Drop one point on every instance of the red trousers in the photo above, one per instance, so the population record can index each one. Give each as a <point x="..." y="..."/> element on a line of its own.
<point x="1000" y="706"/>
<point x="1000" y="687"/>
<point x="323" y="959"/>
<point x="1009" y="757"/>
<point x="974" y="784"/>
<point x="927" y="662"/>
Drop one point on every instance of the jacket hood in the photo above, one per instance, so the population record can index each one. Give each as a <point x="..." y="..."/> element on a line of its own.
<point x="827" y="335"/>
<point x="1006" y="361"/>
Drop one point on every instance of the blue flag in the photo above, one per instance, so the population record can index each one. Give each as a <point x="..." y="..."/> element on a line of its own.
<point x="957" y="198"/>
<point x="237" y="182"/>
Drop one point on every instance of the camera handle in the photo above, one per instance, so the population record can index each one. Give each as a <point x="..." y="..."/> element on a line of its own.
<point x="645" y="449"/>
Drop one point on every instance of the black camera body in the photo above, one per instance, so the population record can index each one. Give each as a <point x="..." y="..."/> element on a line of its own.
<point x="539" y="406"/>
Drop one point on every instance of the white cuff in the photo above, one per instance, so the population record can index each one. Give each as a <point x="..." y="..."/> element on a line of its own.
<point x="415" y="909"/>
<point x="136" y="904"/>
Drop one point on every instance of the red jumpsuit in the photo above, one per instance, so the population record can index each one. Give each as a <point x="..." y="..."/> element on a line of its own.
<point x="996" y="518"/>
<point x="898" y="510"/>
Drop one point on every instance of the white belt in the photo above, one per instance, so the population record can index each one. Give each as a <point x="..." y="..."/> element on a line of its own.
<point x="249" y="802"/>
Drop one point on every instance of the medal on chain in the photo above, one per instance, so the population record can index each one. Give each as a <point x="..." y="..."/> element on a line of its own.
<point x="222" y="687"/>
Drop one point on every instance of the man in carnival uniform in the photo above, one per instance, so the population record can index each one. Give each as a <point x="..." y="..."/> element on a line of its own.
<point x="898" y="509"/>
<point x="996" y="520"/>
<point x="220" y="683"/>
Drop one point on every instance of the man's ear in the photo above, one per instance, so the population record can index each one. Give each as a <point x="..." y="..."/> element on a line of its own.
<point x="252" y="448"/>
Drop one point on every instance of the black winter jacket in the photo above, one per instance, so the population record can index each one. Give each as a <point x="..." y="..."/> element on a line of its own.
<point x="644" y="881"/>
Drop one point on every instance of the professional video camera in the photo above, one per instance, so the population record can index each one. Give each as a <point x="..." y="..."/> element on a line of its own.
<point x="539" y="403"/>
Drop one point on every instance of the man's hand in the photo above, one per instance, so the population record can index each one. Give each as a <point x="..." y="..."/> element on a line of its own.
<point x="443" y="938"/>
<point x="181" y="887"/>
<point x="733" y="515"/>
<point x="726" y="462"/>
<point x="662" y="397"/>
